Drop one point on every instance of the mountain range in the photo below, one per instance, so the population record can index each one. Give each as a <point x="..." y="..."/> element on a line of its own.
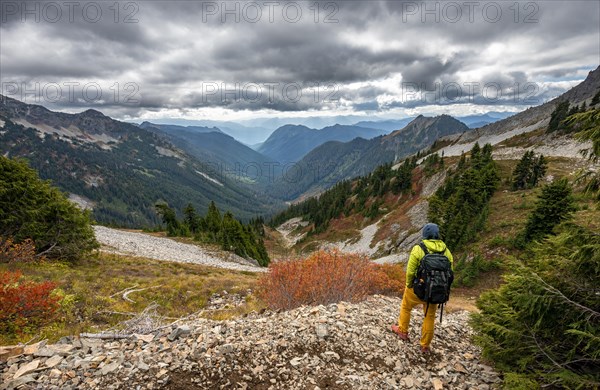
<point x="224" y="153"/>
<point x="119" y="169"/>
<point x="335" y="161"/>
<point x="289" y="143"/>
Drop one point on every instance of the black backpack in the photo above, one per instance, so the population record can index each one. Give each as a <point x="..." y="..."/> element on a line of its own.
<point x="434" y="278"/>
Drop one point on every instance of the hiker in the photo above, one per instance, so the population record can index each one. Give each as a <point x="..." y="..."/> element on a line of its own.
<point x="434" y="245"/>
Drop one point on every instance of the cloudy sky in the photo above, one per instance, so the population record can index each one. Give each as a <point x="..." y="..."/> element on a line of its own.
<point x="238" y="60"/>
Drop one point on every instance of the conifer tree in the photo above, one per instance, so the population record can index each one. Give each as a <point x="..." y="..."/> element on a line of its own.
<point x="558" y="115"/>
<point x="33" y="208"/>
<point x="542" y="326"/>
<point x="191" y="219"/>
<point x="522" y="171"/>
<point x="554" y="205"/>
<point x="588" y="127"/>
<point x="459" y="206"/>
<point x="462" y="162"/>
<point x="574" y="110"/>
<point x="476" y="158"/>
<point x="169" y="218"/>
<point x="538" y="170"/>
<point x="595" y="99"/>
<point x="213" y="221"/>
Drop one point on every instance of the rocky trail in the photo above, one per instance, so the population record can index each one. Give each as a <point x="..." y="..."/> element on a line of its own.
<point x="339" y="346"/>
<point x="162" y="248"/>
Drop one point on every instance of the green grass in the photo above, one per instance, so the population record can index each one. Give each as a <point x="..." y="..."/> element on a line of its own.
<point x="92" y="290"/>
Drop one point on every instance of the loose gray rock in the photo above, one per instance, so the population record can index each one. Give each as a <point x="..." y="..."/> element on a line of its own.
<point x="182" y="330"/>
<point x="343" y="346"/>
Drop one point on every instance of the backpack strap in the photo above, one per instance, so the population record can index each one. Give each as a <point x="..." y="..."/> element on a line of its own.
<point x="424" y="247"/>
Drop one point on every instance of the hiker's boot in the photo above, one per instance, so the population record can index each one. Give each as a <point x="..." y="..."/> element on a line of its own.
<point x="402" y="335"/>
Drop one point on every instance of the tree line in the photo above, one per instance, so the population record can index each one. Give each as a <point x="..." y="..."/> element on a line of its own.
<point x="362" y="195"/>
<point x="460" y="205"/>
<point x="245" y="240"/>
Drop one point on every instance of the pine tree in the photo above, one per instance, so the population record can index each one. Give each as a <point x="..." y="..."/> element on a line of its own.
<point x="522" y="172"/>
<point x="459" y="206"/>
<point x="33" y="208"/>
<point x="558" y="115"/>
<point x="462" y="162"/>
<point x="538" y="170"/>
<point x="476" y="158"/>
<point x="583" y="107"/>
<point x="213" y="221"/>
<point x="596" y="99"/>
<point x="191" y="219"/>
<point x="169" y="218"/>
<point x="574" y="110"/>
<point x="554" y="205"/>
<point x="587" y="126"/>
<point x="528" y="171"/>
<point x="486" y="154"/>
<point x="542" y="326"/>
<point x="231" y="235"/>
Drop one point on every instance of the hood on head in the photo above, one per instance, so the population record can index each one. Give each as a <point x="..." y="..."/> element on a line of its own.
<point x="431" y="231"/>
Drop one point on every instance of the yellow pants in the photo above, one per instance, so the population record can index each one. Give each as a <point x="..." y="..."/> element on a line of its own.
<point x="409" y="301"/>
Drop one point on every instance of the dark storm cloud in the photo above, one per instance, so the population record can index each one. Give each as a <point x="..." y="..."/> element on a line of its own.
<point x="173" y="50"/>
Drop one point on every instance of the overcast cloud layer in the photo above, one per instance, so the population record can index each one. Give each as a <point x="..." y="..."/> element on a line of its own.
<point x="233" y="60"/>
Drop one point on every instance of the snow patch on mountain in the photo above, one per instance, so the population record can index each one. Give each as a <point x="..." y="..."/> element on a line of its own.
<point x="204" y="175"/>
<point x="71" y="134"/>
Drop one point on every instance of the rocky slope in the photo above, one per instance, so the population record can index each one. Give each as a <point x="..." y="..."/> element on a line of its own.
<point x="161" y="248"/>
<point x="340" y="346"/>
<point x="532" y="119"/>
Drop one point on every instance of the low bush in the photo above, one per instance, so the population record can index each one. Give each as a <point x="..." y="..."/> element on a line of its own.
<point x="327" y="277"/>
<point x="25" y="305"/>
<point x="11" y="253"/>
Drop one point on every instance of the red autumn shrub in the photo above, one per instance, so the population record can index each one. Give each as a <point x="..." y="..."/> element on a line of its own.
<point x="325" y="277"/>
<point x="25" y="305"/>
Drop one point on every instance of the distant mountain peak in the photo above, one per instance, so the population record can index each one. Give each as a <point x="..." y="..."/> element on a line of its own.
<point x="290" y="143"/>
<point x="91" y="111"/>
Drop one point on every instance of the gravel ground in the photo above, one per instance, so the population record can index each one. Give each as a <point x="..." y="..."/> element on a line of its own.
<point x="339" y="346"/>
<point x="160" y="248"/>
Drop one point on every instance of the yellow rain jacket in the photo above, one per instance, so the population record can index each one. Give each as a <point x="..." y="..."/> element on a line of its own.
<point x="417" y="254"/>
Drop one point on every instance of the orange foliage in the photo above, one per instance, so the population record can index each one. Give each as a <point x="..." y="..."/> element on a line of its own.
<point x="392" y="279"/>
<point x="327" y="277"/>
<point x="16" y="253"/>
